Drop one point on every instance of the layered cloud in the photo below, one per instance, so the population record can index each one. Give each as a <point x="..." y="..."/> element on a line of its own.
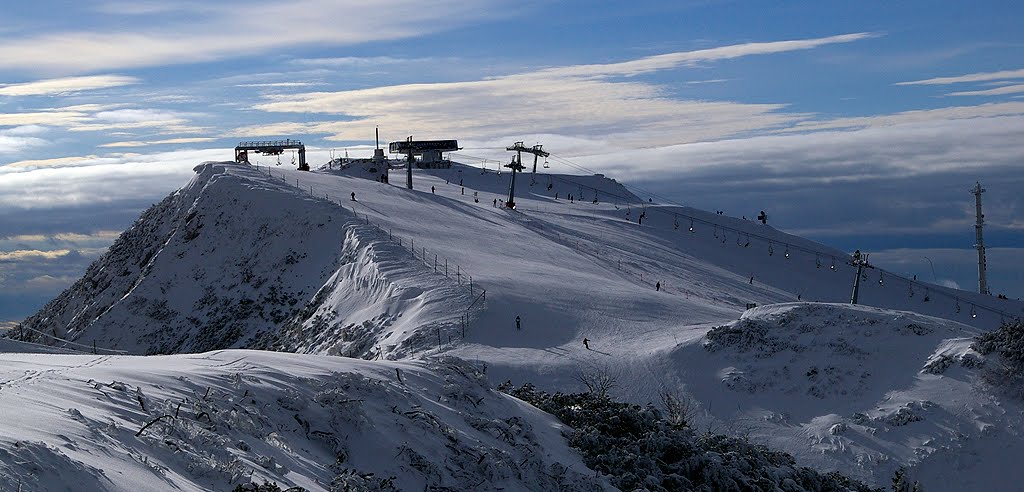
<point x="188" y="32"/>
<point x="1008" y="80"/>
<point x="602" y="101"/>
<point x="20" y="139"/>
<point x="998" y="91"/>
<point x="32" y="255"/>
<point x="166" y="141"/>
<point x="974" y="77"/>
<point x="64" y="86"/>
<point x="104" y="118"/>
<point x="90" y="183"/>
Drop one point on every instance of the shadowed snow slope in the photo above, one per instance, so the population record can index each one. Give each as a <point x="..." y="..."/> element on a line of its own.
<point x="73" y="422"/>
<point x="246" y="257"/>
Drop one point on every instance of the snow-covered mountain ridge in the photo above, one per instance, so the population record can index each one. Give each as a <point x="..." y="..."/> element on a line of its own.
<point x="240" y="258"/>
<point x="225" y="262"/>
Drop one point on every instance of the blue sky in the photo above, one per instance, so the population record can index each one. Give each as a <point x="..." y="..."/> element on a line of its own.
<point x="858" y="124"/>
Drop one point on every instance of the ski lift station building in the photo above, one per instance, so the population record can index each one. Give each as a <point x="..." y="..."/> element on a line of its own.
<point x="271" y="147"/>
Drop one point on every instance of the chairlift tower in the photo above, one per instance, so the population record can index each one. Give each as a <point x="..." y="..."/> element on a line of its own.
<point x="980" y="245"/>
<point x="408" y="164"/>
<point x="516" y="166"/>
<point x="859" y="260"/>
<point x="412" y="148"/>
<point x="537" y="151"/>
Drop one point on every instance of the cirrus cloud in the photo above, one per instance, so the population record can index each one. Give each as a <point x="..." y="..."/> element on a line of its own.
<point x="578" y="100"/>
<point x="67" y="85"/>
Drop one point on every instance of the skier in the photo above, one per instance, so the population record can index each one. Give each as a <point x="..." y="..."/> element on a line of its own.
<point x="751" y="280"/>
<point x="463" y="191"/>
<point x="495" y="202"/>
<point x="763" y="217"/>
<point x="353" y="196"/>
<point x="586" y="343"/>
<point x="476" y="198"/>
<point x="518" y="323"/>
<point x="657" y="287"/>
<point x="431" y="190"/>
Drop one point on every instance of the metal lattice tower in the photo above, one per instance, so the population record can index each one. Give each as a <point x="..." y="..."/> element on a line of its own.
<point x="980" y="245"/>
<point x="517" y="166"/>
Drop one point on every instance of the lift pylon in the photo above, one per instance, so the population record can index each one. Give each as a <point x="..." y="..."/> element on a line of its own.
<point x="516" y="166"/>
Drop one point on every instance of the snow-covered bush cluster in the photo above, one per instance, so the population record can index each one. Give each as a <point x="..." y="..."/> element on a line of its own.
<point x="1007" y="343"/>
<point x="642" y="450"/>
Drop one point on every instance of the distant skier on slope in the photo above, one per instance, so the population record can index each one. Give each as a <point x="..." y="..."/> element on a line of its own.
<point x="586" y="343"/>
<point x="657" y="287"/>
<point x="353" y="196"/>
<point x="519" y="325"/>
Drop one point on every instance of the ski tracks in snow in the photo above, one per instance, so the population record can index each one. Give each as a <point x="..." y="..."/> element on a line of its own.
<point x="31" y="375"/>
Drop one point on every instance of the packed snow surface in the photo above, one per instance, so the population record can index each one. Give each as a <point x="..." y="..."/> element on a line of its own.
<point x="337" y="263"/>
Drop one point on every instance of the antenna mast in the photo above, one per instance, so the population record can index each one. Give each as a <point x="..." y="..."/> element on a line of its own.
<point x="980" y="246"/>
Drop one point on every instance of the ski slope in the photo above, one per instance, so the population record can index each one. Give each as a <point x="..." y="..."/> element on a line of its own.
<point x="251" y="257"/>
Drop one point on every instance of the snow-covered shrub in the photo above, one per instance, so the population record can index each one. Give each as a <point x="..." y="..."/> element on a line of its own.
<point x="642" y="450"/>
<point x="1007" y="342"/>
